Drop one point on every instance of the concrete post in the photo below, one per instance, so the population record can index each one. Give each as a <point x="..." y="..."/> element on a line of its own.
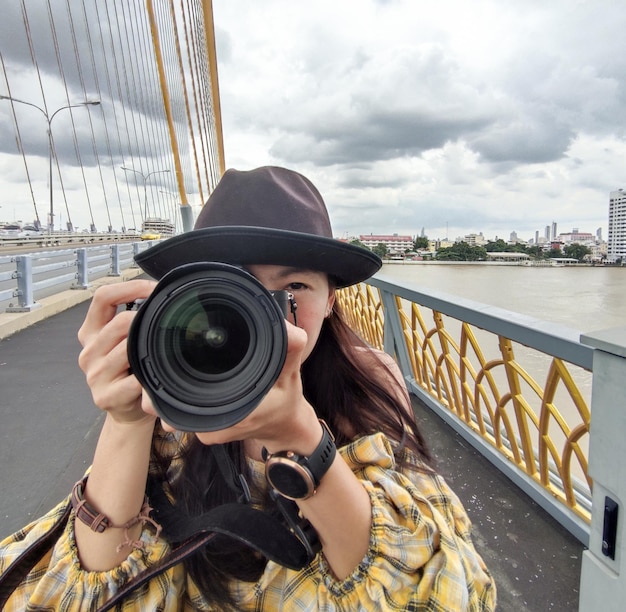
<point x="603" y="575"/>
<point x="82" y="275"/>
<point x="115" y="260"/>
<point x="25" y="288"/>
<point x="187" y="216"/>
<point x="136" y="251"/>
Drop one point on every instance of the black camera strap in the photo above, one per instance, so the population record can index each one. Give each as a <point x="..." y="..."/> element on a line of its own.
<point x="303" y="542"/>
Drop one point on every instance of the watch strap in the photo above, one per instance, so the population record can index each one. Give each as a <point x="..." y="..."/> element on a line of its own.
<point x="311" y="468"/>
<point x="322" y="457"/>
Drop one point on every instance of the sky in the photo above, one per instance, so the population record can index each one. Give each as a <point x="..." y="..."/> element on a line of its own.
<point x="449" y="118"/>
<point x="416" y="117"/>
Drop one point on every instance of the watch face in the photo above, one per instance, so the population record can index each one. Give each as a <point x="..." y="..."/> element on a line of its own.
<point x="290" y="479"/>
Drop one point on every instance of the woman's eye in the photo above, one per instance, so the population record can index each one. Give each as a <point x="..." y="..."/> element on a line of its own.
<point x="296" y="286"/>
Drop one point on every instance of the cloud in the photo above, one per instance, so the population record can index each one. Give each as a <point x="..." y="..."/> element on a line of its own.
<point x="482" y="116"/>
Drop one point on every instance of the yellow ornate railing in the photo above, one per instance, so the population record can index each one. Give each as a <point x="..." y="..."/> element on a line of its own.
<point x="537" y="422"/>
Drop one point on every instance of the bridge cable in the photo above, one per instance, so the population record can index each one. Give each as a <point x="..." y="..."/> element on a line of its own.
<point x="133" y="139"/>
<point x="33" y="57"/>
<point x="99" y="91"/>
<point x="81" y="77"/>
<point x="18" y="141"/>
<point x="108" y="50"/>
<point x="74" y="138"/>
<point x="192" y="62"/>
<point x="187" y="88"/>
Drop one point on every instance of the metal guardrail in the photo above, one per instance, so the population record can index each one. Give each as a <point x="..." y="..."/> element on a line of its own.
<point x="61" y="239"/>
<point x="24" y="279"/>
<point x="508" y="383"/>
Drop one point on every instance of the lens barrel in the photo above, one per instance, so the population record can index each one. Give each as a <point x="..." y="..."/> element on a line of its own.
<point x="207" y="345"/>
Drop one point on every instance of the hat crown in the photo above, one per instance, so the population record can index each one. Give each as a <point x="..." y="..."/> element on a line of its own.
<point x="267" y="216"/>
<point x="271" y="197"/>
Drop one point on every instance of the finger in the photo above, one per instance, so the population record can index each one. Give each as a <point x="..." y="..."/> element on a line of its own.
<point x="106" y="301"/>
<point x="121" y="396"/>
<point x="296" y="344"/>
<point x="108" y="340"/>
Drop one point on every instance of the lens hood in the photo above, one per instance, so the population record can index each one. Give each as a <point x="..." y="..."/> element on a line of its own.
<point x="207" y="345"/>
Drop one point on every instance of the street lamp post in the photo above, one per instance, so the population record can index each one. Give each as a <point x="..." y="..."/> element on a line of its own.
<point x="145" y="178"/>
<point x="49" y="119"/>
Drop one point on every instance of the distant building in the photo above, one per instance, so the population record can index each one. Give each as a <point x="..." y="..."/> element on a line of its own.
<point x="576" y="236"/>
<point x="507" y="256"/>
<point x="435" y="245"/>
<point x="395" y="244"/>
<point x="155" y="225"/>
<point x="616" y="248"/>
<point x="475" y="239"/>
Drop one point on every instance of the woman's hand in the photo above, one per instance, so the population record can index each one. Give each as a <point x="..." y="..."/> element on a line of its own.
<point x="103" y="359"/>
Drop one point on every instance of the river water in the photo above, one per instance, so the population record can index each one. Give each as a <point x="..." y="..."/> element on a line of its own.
<point x="583" y="298"/>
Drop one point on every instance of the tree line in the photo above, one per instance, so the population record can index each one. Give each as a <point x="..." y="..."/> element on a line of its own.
<point x="462" y="251"/>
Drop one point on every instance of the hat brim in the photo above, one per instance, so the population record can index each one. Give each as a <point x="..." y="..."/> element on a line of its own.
<point x="346" y="263"/>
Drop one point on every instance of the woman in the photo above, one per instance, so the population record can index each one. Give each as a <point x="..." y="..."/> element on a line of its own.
<point x="392" y="535"/>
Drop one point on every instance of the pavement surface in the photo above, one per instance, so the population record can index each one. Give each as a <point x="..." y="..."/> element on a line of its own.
<point x="49" y="428"/>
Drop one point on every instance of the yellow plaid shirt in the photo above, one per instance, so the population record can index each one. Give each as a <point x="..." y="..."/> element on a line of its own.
<point x="420" y="557"/>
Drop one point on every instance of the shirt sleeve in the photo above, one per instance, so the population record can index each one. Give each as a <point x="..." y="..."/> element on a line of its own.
<point x="421" y="555"/>
<point x="58" y="582"/>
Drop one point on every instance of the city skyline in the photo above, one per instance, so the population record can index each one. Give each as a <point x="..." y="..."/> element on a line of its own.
<point x="506" y="238"/>
<point x="493" y="238"/>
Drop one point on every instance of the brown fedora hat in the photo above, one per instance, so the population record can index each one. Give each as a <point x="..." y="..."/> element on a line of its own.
<point x="269" y="215"/>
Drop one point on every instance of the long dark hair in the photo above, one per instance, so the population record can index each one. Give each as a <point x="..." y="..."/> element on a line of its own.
<point x="352" y="398"/>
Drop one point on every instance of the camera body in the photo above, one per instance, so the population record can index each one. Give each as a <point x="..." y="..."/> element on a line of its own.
<point x="208" y="344"/>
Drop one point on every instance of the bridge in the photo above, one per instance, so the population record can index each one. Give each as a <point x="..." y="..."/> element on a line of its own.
<point x="114" y="112"/>
<point x="536" y="460"/>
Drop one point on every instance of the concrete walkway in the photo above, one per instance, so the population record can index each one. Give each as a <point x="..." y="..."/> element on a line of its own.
<point x="50" y="426"/>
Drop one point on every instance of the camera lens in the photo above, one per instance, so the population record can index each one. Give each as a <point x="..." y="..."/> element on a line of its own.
<point x="207" y="345"/>
<point x="204" y="337"/>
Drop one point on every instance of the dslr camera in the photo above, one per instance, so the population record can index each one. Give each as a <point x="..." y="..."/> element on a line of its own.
<point x="208" y="344"/>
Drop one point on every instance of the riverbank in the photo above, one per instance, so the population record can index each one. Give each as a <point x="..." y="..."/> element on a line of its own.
<point x="531" y="264"/>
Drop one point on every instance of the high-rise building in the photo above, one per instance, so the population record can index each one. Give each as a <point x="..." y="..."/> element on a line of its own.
<point x="617" y="226"/>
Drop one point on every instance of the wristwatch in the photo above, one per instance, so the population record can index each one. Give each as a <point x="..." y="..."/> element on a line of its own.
<point x="297" y="477"/>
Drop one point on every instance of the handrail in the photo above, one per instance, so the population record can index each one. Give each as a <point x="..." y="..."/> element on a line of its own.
<point x="478" y="367"/>
<point x="32" y="276"/>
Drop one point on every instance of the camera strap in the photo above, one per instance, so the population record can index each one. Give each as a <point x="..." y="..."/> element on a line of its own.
<point x="302" y="542"/>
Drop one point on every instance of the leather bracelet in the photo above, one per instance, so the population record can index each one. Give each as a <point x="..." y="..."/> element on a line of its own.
<point x="98" y="522"/>
<point x="85" y="513"/>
